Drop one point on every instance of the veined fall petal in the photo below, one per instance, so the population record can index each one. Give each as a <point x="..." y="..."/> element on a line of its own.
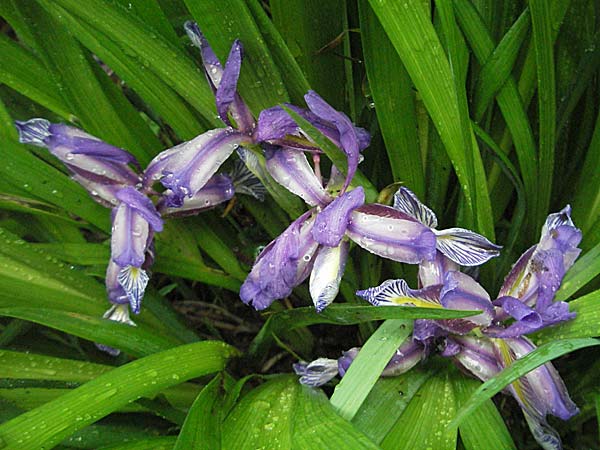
<point x="465" y="247"/>
<point x="408" y="203"/>
<point x="317" y="372"/>
<point x="327" y="273"/>
<point x="398" y="293"/>
<point x="391" y="234"/>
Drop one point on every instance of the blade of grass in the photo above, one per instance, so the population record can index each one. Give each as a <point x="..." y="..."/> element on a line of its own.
<point x="367" y="367"/>
<point x="423" y="423"/>
<point x="52" y="422"/>
<point x="394" y="100"/>
<point x="517" y="369"/>
<point x="582" y="272"/>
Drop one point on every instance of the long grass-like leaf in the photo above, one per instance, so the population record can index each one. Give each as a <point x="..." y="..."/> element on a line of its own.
<point x="54" y="421"/>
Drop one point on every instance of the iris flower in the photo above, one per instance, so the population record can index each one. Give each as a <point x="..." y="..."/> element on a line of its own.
<point x="483" y="345"/>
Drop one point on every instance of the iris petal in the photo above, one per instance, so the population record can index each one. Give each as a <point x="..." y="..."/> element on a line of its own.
<point x="407" y="202"/>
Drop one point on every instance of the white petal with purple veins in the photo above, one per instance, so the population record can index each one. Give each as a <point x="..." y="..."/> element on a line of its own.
<point x="407" y="202"/>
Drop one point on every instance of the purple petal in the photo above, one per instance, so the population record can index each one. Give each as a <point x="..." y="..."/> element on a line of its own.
<point x="105" y="194"/>
<point x="291" y="169"/>
<point x="406" y="357"/>
<point x="188" y="167"/>
<point x="349" y="140"/>
<point x="391" y="234"/>
<point x="134" y="281"/>
<point x="332" y="221"/>
<point x="282" y="265"/>
<point x="426" y="331"/>
<point x="539" y="392"/>
<point x="142" y="205"/>
<point x="326" y="274"/>
<point x="217" y="190"/>
<point x="527" y="319"/>
<point x="460" y="291"/>
<point x="129" y="237"/>
<point x="316" y="373"/>
<point x="434" y="272"/>
<point x="556" y="220"/>
<point x="33" y="131"/>
<point x="465" y="247"/>
<point x="477" y="356"/>
<point x="115" y="292"/>
<point x="346" y="360"/>
<point x="212" y="65"/>
<point x="397" y="292"/>
<point x="275" y="123"/>
<point x="407" y="202"/>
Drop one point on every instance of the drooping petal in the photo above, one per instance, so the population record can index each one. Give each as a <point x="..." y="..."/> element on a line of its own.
<point x="291" y="169"/>
<point x="275" y="123"/>
<point x="539" y="392"/>
<point x="105" y="194"/>
<point x="408" y="203"/>
<point x="434" y="272"/>
<point x="349" y="139"/>
<point x="141" y="205"/>
<point x="317" y="372"/>
<point x="117" y="313"/>
<point x="460" y="291"/>
<point x="391" y="234"/>
<point x="282" y="265"/>
<point x="465" y="247"/>
<point x="397" y="292"/>
<point x="327" y="273"/>
<point x="186" y="168"/>
<point x="83" y="154"/>
<point x="332" y="222"/>
<point x="129" y="237"/>
<point x="217" y="190"/>
<point x="476" y="356"/>
<point x="115" y="292"/>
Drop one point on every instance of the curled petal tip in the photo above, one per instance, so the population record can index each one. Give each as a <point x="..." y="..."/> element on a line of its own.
<point x="317" y="372"/>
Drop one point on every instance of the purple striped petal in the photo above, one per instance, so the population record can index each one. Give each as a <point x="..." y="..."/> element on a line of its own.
<point x="282" y="265"/>
<point x="188" y="167"/>
<point x="539" y="392"/>
<point x="556" y="220"/>
<point x="291" y="169"/>
<point x="217" y="190"/>
<point x="465" y="247"/>
<point x="397" y="292"/>
<point x="134" y="281"/>
<point x="327" y="273"/>
<point x="460" y="291"/>
<point x="407" y="202"/>
<point x="391" y="234"/>
<point x="332" y="221"/>
<point x="348" y="138"/>
<point x="141" y="205"/>
<point x="317" y="372"/>
<point x="212" y="65"/>
<point x="245" y="182"/>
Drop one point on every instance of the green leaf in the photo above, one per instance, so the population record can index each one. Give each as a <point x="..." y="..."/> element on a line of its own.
<point x="344" y="315"/>
<point x="202" y="426"/>
<point x="387" y="401"/>
<point x="517" y="369"/>
<point x="586" y="323"/>
<point x="157" y="443"/>
<point x="541" y="21"/>
<point x="140" y="41"/>
<point x="260" y="82"/>
<point x="108" y="392"/>
<point x="419" y="47"/>
<point x="136" y="341"/>
<point x="424" y="421"/>
<point x="394" y="101"/>
<point x="367" y="367"/>
<point x="485" y="427"/>
<point x="582" y="272"/>
<point x="283" y="414"/>
<point x="317" y="425"/>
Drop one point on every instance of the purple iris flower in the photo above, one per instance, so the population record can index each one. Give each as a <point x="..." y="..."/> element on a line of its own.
<point x="527" y="296"/>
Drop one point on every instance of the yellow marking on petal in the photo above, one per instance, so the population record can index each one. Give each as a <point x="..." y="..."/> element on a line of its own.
<point x="415" y="302"/>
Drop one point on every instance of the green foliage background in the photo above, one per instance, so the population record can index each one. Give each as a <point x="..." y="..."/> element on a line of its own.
<point x="487" y="110"/>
